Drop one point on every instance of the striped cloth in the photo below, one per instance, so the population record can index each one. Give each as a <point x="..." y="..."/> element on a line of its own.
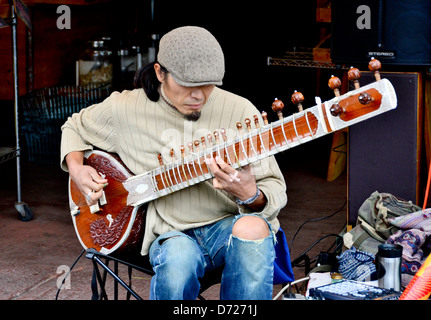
<point x="356" y="265"/>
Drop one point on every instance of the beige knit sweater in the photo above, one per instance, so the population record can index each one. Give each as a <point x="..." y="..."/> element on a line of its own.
<point x="138" y="129"/>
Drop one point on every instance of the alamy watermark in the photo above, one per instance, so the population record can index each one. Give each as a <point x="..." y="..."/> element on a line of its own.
<point x="63" y="281"/>
<point x="64" y="21"/>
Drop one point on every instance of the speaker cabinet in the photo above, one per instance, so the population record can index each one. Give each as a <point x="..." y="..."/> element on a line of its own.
<point x="396" y="32"/>
<point x="384" y="151"/>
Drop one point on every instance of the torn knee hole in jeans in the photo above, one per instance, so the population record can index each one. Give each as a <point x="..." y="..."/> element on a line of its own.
<point x="257" y="241"/>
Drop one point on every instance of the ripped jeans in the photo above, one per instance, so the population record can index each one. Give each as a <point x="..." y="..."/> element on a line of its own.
<point x="180" y="259"/>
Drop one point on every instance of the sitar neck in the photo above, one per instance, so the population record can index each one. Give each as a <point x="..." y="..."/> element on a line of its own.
<point x="246" y="148"/>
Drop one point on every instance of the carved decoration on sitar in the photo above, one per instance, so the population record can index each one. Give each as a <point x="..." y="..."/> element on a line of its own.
<point x="106" y="235"/>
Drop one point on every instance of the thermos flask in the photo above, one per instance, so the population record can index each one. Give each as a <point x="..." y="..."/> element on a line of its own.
<point x="388" y="265"/>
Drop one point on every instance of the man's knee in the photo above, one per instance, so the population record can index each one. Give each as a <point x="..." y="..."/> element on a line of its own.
<point x="250" y="228"/>
<point x="175" y="251"/>
<point x="178" y="265"/>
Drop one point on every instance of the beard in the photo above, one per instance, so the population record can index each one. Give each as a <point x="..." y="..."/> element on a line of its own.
<point x="194" y="116"/>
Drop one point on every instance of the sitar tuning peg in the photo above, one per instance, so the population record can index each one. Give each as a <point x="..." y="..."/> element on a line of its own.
<point x="298" y="99"/>
<point x="216" y="137"/>
<point x="256" y="121"/>
<point x="239" y="127"/>
<point x="277" y="106"/>
<point x="335" y="83"/>
<point x="375" y="65"/>
<point x="223" y="134"/>
<point x="247" y="122"/>
<point x="159" y="156"/>
<point x="265" y="118"/>
<point x="210" y="139"/>
<point x="354" y="74"/>
<point x="196" y="143"/>
<point x="190" y="145"/>
<point x="172" y="155"/>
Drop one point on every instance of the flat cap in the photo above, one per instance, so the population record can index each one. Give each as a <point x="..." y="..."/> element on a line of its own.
<point x="193" y="56"/>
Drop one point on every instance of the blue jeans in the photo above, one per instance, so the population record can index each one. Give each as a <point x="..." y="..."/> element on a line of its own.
<point x="180" y="259"/>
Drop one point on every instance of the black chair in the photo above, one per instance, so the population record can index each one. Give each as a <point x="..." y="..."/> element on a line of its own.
<point x="283" y="273"/>
<point x="101" y="262"/>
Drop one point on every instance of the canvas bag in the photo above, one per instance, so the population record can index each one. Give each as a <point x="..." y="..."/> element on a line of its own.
<point x="372" y="227"/>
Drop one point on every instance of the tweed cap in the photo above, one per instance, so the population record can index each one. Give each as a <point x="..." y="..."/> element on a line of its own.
<point x="193" y="56"/>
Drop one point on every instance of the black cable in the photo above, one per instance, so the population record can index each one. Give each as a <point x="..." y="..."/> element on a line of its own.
<point x="311" y="246"/>
<point x="335" y="149"/>
<point x="315" y="219"/>
<point x="70" y="270"/>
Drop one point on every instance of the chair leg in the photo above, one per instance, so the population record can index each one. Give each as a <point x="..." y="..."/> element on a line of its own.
<point x="93" y="255"/>
<point x="99" y="279"/>
<point x="94" y="288"/>
<point x="115" y="282"/>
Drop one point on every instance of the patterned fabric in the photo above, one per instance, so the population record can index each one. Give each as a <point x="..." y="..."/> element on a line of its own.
<point x="356" y="265"/>
<point x="415" y="238"/>
<point x="417" y="220"/>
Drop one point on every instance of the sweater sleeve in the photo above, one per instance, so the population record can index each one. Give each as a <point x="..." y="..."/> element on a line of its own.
<point x="91" y="127"/>
<point x="270" y="181"/>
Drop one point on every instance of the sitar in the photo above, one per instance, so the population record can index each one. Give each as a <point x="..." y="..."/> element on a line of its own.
<point x="117" y="222"/>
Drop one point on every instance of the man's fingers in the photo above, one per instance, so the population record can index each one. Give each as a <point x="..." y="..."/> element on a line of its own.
<point x="95" y="186"/>
<point x="97" y="178"/>
<point x="219" y="168"/>
<point x="224" y="166"/>
<point x="93" y="196"/>
<point x="217" y="184"/>
<point x="96" y="182"/>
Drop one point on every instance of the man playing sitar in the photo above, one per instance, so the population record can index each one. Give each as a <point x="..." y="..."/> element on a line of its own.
<point x="230" y="220"/>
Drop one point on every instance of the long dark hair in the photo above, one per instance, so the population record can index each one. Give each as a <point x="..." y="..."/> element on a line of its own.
<point x="146" y="79"/>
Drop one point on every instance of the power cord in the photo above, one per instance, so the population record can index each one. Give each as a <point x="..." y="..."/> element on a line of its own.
<point x="339" y="245"/>
<point x="289" y="285"/>
<point x="313" y="220"/>
<point x="67" y="274"/>
<point x="322" y="257"/>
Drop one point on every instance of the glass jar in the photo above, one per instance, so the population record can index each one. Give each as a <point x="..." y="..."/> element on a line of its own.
<point x="336" y="277"/>
<point x="95" y="65"/>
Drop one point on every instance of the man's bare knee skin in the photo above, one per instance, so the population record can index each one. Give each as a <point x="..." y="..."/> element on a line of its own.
<point x="250" y="228"/>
